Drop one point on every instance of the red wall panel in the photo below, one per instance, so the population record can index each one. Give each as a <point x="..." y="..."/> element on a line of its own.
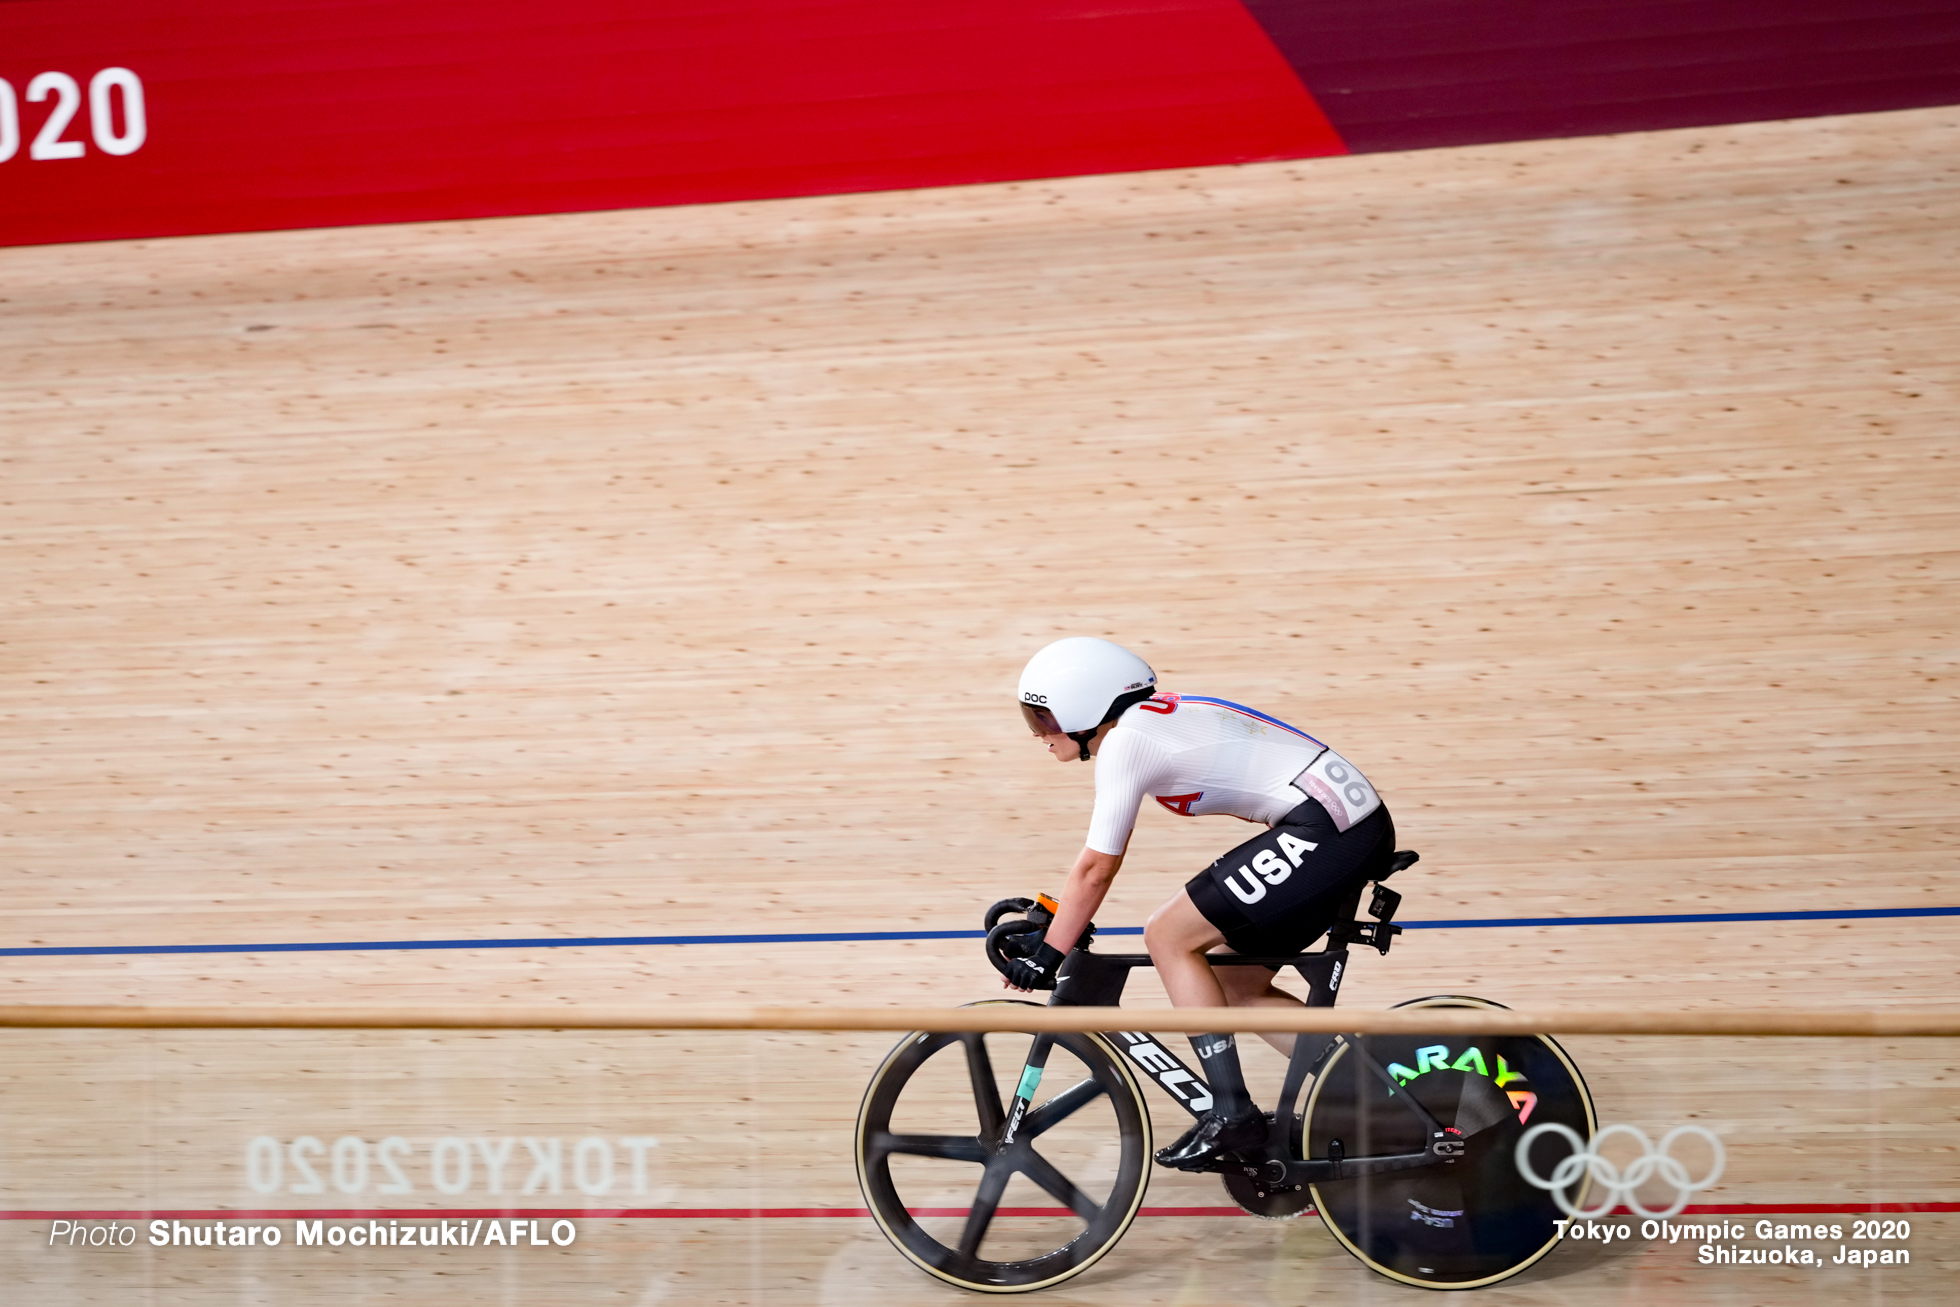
<point x="264" y="114"/>
<point x="1410" y="74"/>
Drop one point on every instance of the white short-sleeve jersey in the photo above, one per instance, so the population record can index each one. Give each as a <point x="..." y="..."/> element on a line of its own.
<point x="1198" y="756"/>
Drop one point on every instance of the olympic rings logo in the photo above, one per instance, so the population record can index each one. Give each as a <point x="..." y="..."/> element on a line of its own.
<point x="1586" y="1163"/>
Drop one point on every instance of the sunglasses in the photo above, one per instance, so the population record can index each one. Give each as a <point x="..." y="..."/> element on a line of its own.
<point x="1040" y="720"/>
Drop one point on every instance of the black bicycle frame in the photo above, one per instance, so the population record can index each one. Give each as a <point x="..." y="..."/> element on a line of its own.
<point x="1098" y="979"/>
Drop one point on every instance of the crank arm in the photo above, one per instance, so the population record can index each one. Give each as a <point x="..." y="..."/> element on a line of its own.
<point x="1320" y="1169"/>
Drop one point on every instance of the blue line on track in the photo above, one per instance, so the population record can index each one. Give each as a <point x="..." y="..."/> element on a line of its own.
<point x="1682" y="918"/>
<point x="875" y="936"/>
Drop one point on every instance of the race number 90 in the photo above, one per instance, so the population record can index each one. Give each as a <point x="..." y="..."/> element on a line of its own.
<point x="116" y="119"/>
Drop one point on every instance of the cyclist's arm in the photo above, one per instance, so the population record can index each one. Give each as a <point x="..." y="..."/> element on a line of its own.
<point x="1082" y="893"/>
<point x="1126" y="765"/>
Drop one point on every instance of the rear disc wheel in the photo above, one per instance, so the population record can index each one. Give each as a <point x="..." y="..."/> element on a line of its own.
<point x="1451" y="1224"/>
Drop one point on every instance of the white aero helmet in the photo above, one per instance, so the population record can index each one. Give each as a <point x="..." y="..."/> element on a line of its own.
<point x="1075" y="685"/>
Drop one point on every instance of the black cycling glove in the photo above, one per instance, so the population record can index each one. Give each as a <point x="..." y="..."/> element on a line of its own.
<point x="1036" y="972"/>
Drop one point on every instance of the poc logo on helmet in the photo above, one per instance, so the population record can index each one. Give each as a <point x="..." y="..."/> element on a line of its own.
<point x="1032" y="697"/>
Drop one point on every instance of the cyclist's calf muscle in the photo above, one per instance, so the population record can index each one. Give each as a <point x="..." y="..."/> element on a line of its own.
<point x="1254" y="987"/>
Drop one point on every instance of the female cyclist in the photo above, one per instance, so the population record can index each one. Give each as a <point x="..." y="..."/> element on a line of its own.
<point x="1327" y="831"/>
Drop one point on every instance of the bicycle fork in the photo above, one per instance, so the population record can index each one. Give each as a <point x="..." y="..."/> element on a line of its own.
<point x="1024" y="1093"/>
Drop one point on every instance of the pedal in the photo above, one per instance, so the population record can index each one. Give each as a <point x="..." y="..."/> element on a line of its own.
<point x="1231" y="1164"/>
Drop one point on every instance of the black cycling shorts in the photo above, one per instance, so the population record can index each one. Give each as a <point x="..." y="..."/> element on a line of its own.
<point x="1279" y="891"/>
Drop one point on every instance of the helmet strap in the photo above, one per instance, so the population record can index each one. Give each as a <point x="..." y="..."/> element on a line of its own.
<point x="1082" y="739"/>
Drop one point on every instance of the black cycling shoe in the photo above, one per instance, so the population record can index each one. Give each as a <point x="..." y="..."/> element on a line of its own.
<point x="1214" y="1138"/>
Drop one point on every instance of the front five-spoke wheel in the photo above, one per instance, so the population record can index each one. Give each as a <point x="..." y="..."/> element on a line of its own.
<point x="981" y="1212"/>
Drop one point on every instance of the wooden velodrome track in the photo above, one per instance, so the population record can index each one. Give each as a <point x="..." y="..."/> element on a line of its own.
<point x="668" y="573"/>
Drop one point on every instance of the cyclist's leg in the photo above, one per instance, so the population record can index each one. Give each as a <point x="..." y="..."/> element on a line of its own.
<point x="1279" y="891"/>
<point x="1274" y="894"/>
<point x="1254" y="987"/>
<point x="1178" y="937"/>
<point x="1180" y="940"/>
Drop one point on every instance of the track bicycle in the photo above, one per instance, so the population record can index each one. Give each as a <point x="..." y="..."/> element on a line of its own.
<point x="1405" y="1144"/>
